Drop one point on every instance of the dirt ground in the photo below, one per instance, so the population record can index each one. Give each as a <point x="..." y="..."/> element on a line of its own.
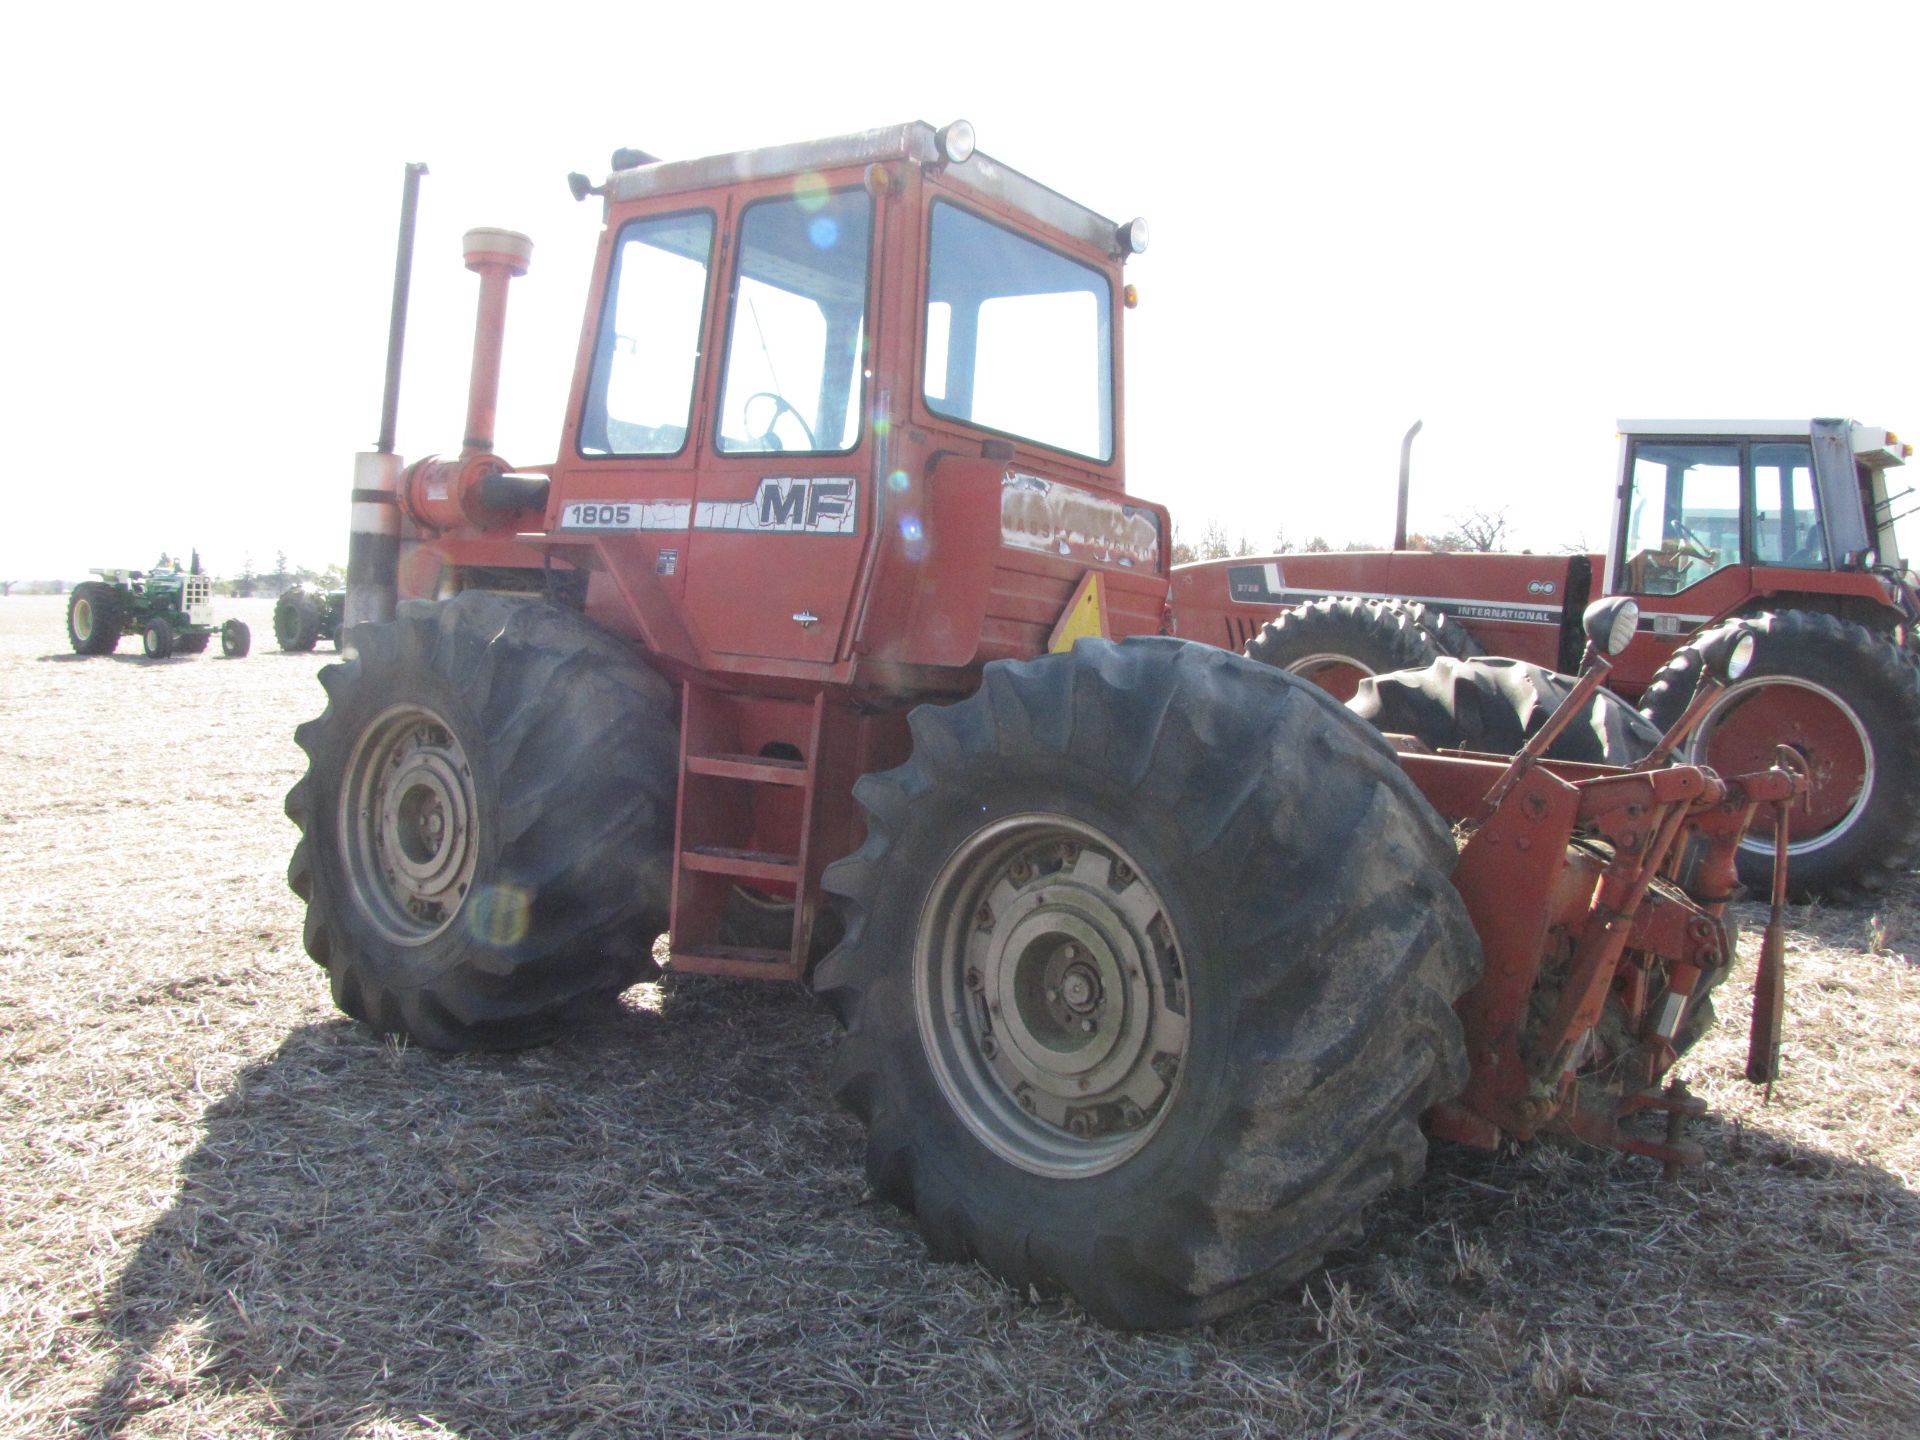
<point x="225" y="1210"/>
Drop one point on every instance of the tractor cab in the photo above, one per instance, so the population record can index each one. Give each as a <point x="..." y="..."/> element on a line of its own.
<point x="1705" y="507"/>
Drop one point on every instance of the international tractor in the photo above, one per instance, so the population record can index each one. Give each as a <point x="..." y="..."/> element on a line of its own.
<point x="170" y="608"/>
<point x="833" y="648"/>
<point x="1782" y="529"/>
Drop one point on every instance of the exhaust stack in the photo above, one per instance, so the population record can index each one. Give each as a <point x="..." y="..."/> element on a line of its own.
<point x="373" y="544"/>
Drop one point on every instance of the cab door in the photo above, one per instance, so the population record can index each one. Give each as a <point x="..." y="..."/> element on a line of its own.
<point x="1700" y="514"/>
<point x="783" y="508"/>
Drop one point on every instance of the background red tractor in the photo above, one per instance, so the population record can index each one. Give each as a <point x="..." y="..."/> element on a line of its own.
<point x="1156" y="964"/>
<point x="1781" y="527"/>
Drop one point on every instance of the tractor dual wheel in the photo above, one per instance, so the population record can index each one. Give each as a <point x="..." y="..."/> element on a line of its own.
<point x="1848" y="701"/>
<point x="1148" y="977"/>
<point x="235" y="639"/>
<point x="1338" y="643"/>
<point x="486" y="821"/>
<point x="96" y="615"/>
<point x="157" y="639"/>
<point x="1494" y="706"/>
<point x="296" y="619"/>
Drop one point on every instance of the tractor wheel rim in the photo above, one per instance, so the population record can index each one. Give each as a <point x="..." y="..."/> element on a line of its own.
<point x="1338" y="675"/>
<point x="408" y="834"/>
<point x="1835" y="747"/>
<point x="1051" y="995"/>
<point x="83" y="619"/>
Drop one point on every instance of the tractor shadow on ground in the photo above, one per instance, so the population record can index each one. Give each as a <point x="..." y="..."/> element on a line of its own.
<point x="661" y="1226"/>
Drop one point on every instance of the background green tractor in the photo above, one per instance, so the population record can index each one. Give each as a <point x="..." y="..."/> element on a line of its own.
<point x="305" y="615"/>
<point x="169" y="608"/>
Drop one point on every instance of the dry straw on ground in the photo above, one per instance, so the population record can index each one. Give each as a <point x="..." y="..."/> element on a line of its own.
<point x="227" y="1211"/>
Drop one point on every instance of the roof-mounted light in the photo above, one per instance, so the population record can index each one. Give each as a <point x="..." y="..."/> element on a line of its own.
<point x="627" y="158"/>
<point x="955" y="142"/>
<point x="1133" y="237"/>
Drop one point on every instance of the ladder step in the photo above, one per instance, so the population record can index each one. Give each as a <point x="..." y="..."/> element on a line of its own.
<point x="761" y="768"/>
<point x="746" y="961"/>
<point x="742" y="864"/>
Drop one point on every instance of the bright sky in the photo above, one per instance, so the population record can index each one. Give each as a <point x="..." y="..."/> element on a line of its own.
<point x="1515" y="222"/>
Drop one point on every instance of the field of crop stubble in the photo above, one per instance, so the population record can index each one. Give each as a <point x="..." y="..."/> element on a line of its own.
<point x="226" y="1210"/>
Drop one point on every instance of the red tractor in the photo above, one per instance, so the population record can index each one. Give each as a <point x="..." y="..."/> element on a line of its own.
<point x="1781" y="528"/>
<point x="832" y="647"/>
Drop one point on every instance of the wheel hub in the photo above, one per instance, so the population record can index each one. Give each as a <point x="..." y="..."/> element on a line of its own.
<point x="1052" y="995"/>
<point x="409" y="836"/>
<point x="1744" y="724"/>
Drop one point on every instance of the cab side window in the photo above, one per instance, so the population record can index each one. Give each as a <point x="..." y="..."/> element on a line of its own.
<point x="1786" y="515"/>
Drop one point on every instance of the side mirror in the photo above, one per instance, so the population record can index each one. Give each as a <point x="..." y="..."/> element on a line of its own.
<point x="1610" y="624"/>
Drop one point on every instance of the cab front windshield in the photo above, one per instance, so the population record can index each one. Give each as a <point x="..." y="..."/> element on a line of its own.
<point x="1019" y="338"/>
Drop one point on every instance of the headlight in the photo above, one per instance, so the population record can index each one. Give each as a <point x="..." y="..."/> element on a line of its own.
<point x="955" y="141"/>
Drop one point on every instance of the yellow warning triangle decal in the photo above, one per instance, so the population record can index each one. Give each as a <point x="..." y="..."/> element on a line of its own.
<point x="1085" y="615"/>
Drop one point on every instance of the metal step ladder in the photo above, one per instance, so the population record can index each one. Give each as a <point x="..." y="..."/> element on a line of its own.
<point x="734" y="785"/>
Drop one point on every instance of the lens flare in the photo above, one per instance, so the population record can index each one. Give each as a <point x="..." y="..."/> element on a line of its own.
<point x="824" y="232"/>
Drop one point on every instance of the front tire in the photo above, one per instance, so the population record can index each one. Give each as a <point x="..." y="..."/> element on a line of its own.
<point x="157" y="640"/>
<point x="235" y="639"/>
<point x="1338" y="643"/>
<point x="486" y="821"/>
<point x="1148" y="977"/>
<point x="1849" y="702"/>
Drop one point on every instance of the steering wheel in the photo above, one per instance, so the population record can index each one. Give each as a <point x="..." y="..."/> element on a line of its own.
<point x="765" y="437"/>
<point x="1691" y="544"/>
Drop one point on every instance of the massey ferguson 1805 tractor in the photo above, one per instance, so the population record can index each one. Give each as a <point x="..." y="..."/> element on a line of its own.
<point x="1779" y="528"/>
<point x="832" y="647"/>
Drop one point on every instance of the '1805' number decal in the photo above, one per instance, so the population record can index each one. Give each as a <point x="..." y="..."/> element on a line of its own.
<point x="600" y="515"/>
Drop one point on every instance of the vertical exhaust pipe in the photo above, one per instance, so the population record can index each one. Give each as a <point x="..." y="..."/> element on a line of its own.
<point x="496" y="256"/>
<point x="373" y="545"/>
<point x="1406" y="470"/>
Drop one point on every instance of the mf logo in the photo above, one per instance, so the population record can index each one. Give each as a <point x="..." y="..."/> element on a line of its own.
<point x="818" y="506"/>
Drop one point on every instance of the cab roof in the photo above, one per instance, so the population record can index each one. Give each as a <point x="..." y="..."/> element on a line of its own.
<point x="914" y="143"/>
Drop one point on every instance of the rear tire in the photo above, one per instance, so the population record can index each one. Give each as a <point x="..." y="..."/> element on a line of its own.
<point x="1338" y="643"/>
<point x="1198" y="917"/>
<point x="486" y="821"/>
<point x="1495" y="706"/>
<point x="96" y="615"/>
<point x="296" y="619"/>
<point x="1849" y="701"/>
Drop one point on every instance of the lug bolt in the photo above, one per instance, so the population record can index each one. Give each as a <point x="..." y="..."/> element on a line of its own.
<point x="974" y="982"/>
<point x="1130" y="1115"/>
<point x="1026" y="1099"/>
<point x="1080" y="1125"/>
<point x="987" y="1047"/>
<point x="1087" y="1026"/>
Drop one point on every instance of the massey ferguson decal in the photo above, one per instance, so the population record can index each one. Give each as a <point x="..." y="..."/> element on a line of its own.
<point x="1037" y="514"/>
<point x="795" y="505"/>
<point x="802" y="505"/>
